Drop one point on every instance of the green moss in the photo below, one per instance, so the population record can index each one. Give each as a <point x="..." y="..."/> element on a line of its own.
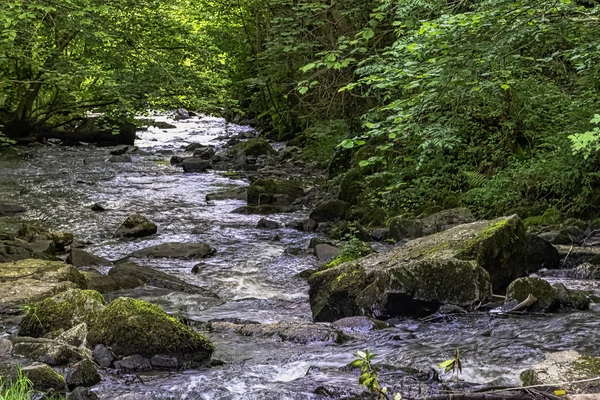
<point x="264" y="191"/>
<point x="321" y="139"/>
<point x="62" y="312"/>
<point x="547" y="297"/>
<point x="350" y="251"/>
<point x="527" y="377"/>
<point x="45" y="379"/>
<point x="254" y="147"/>
<point x="588" y="365"/>
<point x="131" y="326"/>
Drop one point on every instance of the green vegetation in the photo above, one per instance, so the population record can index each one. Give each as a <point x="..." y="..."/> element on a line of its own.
<point x="19" y="389"/>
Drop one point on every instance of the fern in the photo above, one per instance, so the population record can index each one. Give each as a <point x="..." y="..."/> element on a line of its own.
<point x="475" y="179"/>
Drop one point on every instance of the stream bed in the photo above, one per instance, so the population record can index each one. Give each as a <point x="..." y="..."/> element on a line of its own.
<point x="255" y="279"/>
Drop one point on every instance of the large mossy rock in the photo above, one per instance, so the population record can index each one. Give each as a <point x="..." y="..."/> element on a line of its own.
<point x="330" y="211"/>
<point x="26" y="281"/>
<point x="458" y="266"/>
<point x="62" y="312"/>
<point x="48" y="351"/>
<point x="520" y="289"/>
<point x="252" y="147"/>
<point x="130" y="326"/>
<point x="275" y="192"/>
<point x="45" y="379"/>
<point x="564" y="366"/>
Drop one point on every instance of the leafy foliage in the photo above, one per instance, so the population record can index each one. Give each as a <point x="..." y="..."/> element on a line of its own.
<point x="19" y="389"/>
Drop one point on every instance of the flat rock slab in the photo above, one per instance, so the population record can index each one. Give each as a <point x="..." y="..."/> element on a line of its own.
<point x="286" y="332"/>
<point x="176" y="250"/>
<point x="81" y="258"/>
<point x="48" y="351"/>
<point x="31" y="280"/>
<point x="10" y="209"/>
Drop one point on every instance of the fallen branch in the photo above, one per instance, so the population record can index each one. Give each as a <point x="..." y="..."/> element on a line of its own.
<point x="525" y="304"/>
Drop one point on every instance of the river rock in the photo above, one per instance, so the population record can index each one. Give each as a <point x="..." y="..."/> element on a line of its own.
<point x="520" y="289"/>
<point x="48" y="351"/>
<point x="265" y="209"/>
<point x="123" y="149"/>
<point x="326" y="252"/>
<point x="458" y="266"/>
<point x="586" y="271"/>
<point x="10" y="209"/>
<point x="136" y="225"/>
<point x="195" y="165"/>
<point x="82" y="374"/>
<point x="267" y="224"/>
<point x="177" y="160"/>
<point x="240" y="193"/>
<point x="286" y="332"/>
<point x="130" y="326"/>
<point x="251" y="147"/>
<point x="541" y="254"/>
<point x="103" y="356"/>
<point x="164" y="362"/>
<point x="446" y="219"/>
<point x="27" y="281"/>
<point x="82" y="393"/>
<point x="181" y="114"/>
<point x="62" y="312"/>
<point x="567" y="298"/>
<point x="44" y="378"/>
<point x="97" y="207"/>
<point x="176" y="250"/>
<point x="204" y="153"/>
<point x="123" y="158"/>
<point x="76" y="336"/>
<point x="16" y="249"/>
<point x="134" y="362"/>
<point x="404" y="228"/>
<point x="81" y="258"/>
<point x="359" y="324"/>
<point x="274" y="192"/>
<point x="564" y="366"/>
<point x="330" y="211"/>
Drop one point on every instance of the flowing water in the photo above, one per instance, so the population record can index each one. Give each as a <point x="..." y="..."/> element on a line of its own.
<point x="255" y="279"/>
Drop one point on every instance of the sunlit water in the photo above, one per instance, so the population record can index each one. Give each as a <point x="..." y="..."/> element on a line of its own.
<point x="254" y="278"/>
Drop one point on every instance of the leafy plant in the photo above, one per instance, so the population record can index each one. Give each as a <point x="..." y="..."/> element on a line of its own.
<point x="453" y="364"/>
<point x="368" y="375"/>
<point x="19" y="389"/>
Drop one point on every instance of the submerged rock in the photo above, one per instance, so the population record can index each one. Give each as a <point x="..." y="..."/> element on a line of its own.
<point x="27" y="281"/>
<point x="130" y="326"/>
<point x="103" y="356"/>
<point x="136" y="225"/>
<point x="62" y="312"/>
<point x="458" y="266"/>
<point x="251" y="147"/>
<point x="10" y="209"/>
<point x="359" y="324"/>
<point x="176" y="250"/>
<point x="286" y="332"/>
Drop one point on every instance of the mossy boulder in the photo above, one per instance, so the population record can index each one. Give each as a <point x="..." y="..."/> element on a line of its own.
<point x="446" y="219"/>
<point x="564" y="366"/>
<point x="351" y="186"/>
<point x="458" y="266"/>
<point x="82" y="374"/>
<point x="136" y="225"/>
<point x="62" y="312"/>
<point x="48" y="351"/>
<point x="567" y="298"/>
<point x="330" y="211"/>
<point x="274" y="192"/>
<point x="31" y="280"/>
<point x="130" y="326"/>
<point x="253" y="147"/>
<point x="45" y="379"/>
<point x="520" y="289"/>
<point x="366" y="216"/>
<point x="404" y="228"/>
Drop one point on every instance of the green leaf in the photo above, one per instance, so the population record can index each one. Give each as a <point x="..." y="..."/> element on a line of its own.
<point x="368" y="33"/>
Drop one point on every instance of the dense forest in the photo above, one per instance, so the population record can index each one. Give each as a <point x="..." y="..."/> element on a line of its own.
<point x="241" y="199"/>
<point x="489" y="104"/>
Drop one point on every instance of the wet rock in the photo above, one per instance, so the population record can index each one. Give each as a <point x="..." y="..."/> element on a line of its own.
<point x="309" y="225"/>
<point x="563" y="366"/>
<point x="267" y="224"/>
<point x="326" y="252"/>
<point x="259" y="210"/>
<point x="194" y="146"/>
<point x="97" y="207"/>
<point x="133" y="363"/>
<point x="274" y="192"/>
<point x="62" y="312"/>
<point x="82" y="393"/>
<point x="287" y="332"/>
<point x="195" y="165"/>
<point x="541" y="254"/>
<point x="136" y="225"/>
<point x="251" y="147"/>
<point x="196" y="269"/>
<point x="82" y="374"/>
<point x="458" y="266"/>
<point x="380" y="234"/>
<point x="586" y="271"/>
<point x="239" y="193"/>
<point x="446" y="219"/>
<point x="404" y="228"/>
<point x="317" y="240"/>
<point x="45" y="379"/>
<point x="123" y="149"/>
<point x="103" y="356"/>
<point x="6" y="347"/>
<point x="102" y="283"/>
<point x="48" y="351"/>
<point x="575" y="255"/>
<point x="81" y="258"/>
<point x="16" y="249"/>
<point x="28" y="281"/>
<point x="331" y="210"/>
<point x="164" y="362"/>
<point x="571" y="298"/>
<point x="124" y="158"/>
<point x="176" y="250"/>
<point x="204" y="153"/>
<point x="130" y="326"/>
<point x="520" y="289"/>
<point x="181" y="114"/>
<point x="11" y="209"/>
<point x="177" y="160"/>
<point x="359" y="324"/>
<point x="129" y="275"/>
